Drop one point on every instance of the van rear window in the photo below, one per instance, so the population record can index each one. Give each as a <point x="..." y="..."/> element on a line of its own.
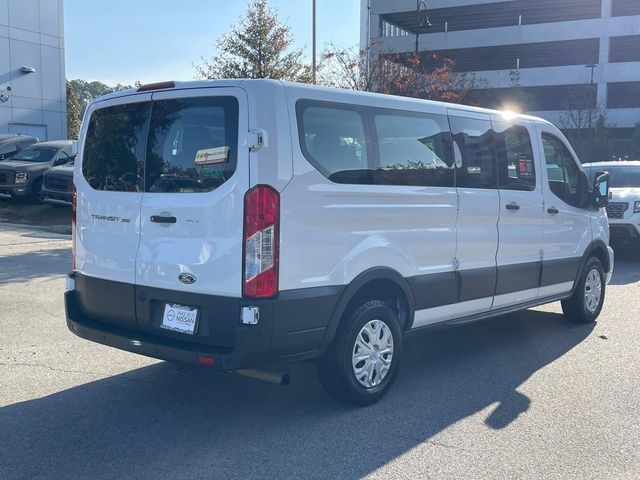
<point x="183" y="145"/>
<point x="113" y="157"/>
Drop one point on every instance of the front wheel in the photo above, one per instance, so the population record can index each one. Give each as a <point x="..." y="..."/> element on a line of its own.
<point x="585" y="305"/>
<point x="37" y="195"/>
<point x="363" y="360"/>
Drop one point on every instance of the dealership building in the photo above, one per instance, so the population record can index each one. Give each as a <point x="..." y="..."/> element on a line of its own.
<point x="32" y="76"/>
<point x="550" y="50"/>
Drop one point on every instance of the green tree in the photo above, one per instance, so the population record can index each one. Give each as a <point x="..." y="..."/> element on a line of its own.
<point x="635" y="143"/>
<point x="79" y="94"/>
<point x="87" y="91"/>
<point x="259" y="46"/>
<point x="75" y="111"/>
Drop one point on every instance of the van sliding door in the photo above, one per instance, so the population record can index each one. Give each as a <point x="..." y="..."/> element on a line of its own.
<point x="520" y="222"/>
<point x="476" y="229"/>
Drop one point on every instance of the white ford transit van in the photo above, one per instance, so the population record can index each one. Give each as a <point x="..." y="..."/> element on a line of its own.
<point x="244" y="224"/>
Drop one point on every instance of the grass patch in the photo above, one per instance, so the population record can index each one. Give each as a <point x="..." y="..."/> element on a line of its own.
<point x="45" y="215"/>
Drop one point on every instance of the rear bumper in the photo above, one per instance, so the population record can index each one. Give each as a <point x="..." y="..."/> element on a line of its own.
<point x="246" y="352"/>
<point x="291" y="328"/>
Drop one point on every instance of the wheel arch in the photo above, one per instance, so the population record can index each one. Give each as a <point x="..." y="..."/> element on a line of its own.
<point x="597" y="249"/>
<point x="381" y="282"/>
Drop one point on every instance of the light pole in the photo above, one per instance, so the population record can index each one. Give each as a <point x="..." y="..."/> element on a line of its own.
<point x="592" y="66"/>
<point x="314" y="63"/>
<point x="422" y="19"/>
<point x="590" y="133"/>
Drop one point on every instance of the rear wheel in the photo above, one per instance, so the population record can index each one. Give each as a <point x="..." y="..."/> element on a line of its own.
<point x="586" y="303"/>
<point x="363" y="360"/>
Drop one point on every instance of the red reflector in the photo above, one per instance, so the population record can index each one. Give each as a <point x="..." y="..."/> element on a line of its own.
<point x="206" y="361"/>
<point x="74" y="213"/>
<point x="156" y="86"/>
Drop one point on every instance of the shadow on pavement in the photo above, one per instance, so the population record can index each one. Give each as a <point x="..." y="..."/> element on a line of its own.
<point x="162" y="422"/>
<point x="32" y="265"/>
<point x="626" y="269"/>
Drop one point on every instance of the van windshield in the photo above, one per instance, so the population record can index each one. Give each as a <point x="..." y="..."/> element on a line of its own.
<point x="184" y="145"/>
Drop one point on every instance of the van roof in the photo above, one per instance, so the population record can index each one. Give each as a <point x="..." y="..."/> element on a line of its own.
<point x="301" y="87"/>
<point x="614" y="163"/>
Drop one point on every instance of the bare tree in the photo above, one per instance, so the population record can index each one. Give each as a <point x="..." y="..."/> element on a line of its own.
<point x="393" y="73"/>
<point x="635" y="142"/>
<point x="579" y="114"/>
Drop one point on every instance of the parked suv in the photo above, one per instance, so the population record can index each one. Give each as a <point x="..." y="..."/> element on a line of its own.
<point x="10" y="144"/>
<point x="624" y="208"/>
<point x="57" y="188"/>
<point x="22" y="175"/>
<point x="245" y="223"/>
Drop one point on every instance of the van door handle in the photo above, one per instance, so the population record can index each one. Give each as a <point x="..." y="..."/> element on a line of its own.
<point x="553" y="211"/>
<point x="513" y="207"/>
<point x="160" y="219"/>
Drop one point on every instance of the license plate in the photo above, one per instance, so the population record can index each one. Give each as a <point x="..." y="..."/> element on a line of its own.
<point x="180" y="318"/>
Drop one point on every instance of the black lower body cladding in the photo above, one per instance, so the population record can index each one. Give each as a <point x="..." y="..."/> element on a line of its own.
<point x="441" y="289"/>
<point x="295" y="325"/>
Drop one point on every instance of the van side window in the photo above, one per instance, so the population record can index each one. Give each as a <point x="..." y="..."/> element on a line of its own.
<point x="193" y="144"/>
<point x="516" y="167"/>
<point x="414" y="150"/>
<point x="334" y="141"/>
<point x="562" y="170"/>
<point x="114" y="147"/>
<point x="474" y="152"/>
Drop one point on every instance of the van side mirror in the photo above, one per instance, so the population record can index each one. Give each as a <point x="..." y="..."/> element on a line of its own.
<point x="601" y="189"/>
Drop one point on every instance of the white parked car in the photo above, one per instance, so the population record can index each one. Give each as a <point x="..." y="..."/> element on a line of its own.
<point x="247" y="223"/>
<point x="624" y="206"/>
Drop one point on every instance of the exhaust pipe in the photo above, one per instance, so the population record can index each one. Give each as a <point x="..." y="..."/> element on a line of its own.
<point x="271" y="377"/>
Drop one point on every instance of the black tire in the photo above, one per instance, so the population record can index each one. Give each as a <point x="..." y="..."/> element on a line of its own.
<point x="335" y="369"/>
<point x="36" y="192"/>
<point x="577" y="308"/>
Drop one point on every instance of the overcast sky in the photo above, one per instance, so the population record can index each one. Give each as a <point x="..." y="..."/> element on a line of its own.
<point x="121" y="41"/>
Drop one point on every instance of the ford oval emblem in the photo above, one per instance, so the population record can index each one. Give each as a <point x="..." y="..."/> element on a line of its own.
<point x="187" y="278"/>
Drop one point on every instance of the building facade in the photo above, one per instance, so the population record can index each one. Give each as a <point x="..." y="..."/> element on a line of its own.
<point x="32" y="74"/>
<point x="560" y="56"/>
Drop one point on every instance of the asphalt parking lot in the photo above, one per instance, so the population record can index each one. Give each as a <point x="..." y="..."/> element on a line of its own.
<point x="523" y="396"/>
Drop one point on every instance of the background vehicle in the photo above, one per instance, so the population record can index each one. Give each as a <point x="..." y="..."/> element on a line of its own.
<point x="624" y="206"/>
<point x="11" y="144"/>
<point x="239" y="224"/>
<point x="22" y="175"/>
<point x="57" y="187"/>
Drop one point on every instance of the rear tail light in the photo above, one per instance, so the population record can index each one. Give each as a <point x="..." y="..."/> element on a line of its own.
<point x="74" y="210"/>
<point x="261" y="249"/>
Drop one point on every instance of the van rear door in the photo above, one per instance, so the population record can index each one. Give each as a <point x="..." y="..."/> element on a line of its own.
<point x="109" y="181"/>
<point x="191" y="218"/>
